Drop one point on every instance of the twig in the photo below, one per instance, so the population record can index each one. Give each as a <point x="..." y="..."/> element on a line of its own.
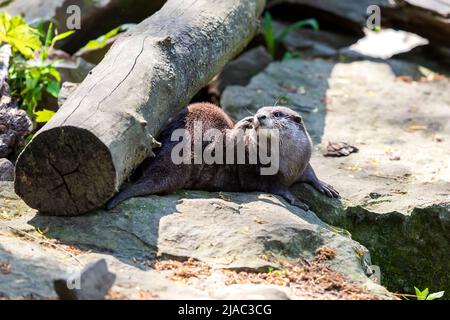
<point x="404" y="295"/>
<point x="26" y="234"/>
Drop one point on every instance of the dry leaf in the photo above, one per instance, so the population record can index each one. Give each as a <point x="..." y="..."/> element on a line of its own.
<point x="354" y="168"/>
<point x="146" y="295"/>
<point x="339" y="149"/>
<point x="258" y="220"/>
<point x="5" y="267"/>
<point x="407" y="79"/>
<point x="301" y="90"/>
<point x="414" y="126"/>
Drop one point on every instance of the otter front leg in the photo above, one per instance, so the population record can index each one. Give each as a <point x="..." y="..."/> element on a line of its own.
<point x="245" y="123"/>
<point x="309" y="176"/>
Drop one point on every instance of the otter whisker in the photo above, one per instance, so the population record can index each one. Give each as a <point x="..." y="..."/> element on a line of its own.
<point x="248" y="111"/>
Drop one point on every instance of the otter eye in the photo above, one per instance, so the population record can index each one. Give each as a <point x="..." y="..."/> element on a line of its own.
<point x="277" y="114"/>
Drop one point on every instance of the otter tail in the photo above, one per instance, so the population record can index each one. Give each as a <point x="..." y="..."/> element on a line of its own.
<point x="114" y="201"/>
<point x="132" y="191"/>
<point x="161" y="177"/>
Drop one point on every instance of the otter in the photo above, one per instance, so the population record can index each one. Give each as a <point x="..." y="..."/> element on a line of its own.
<point x="162" y="175"/>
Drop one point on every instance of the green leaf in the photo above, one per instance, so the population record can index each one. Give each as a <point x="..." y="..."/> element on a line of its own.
<point x="298" y="25"/>
<point x="100" y="42"/>
<point x="421" y="295"/>
<point x="435" y="295"/>
<point x="291" y="55"/>
<point x="48" y="38"/>
<point x="55" y="74"/>
<point x="61" y="36"/>
<point x="44" y="54"/>
<point x="19" y="35"/>
<point x="44" y="115"/>
<point x="268" y="33"/>
<point x="53" y="88"/>
<point x="418" y="292"/>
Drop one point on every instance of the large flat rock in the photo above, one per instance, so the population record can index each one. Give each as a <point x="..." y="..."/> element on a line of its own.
<point x="249" y="232"/>
<point x="396" y="189"/>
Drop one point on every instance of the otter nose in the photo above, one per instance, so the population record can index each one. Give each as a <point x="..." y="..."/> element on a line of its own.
<point x="261" y="117"/>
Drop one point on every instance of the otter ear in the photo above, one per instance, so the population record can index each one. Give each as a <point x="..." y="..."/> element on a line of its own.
<point x="297" y="119"/>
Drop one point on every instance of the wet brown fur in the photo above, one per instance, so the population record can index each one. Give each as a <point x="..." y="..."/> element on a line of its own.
<point x="162" y="176"/>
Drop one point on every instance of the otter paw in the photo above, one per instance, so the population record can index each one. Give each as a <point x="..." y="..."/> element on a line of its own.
<point x="327" y="190"/>
<point x="245" y="123"/>
<point x="300" y="204"/>
<point x="293" y="200"/>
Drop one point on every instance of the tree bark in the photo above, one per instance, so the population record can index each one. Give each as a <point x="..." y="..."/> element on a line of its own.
<point x="105" y="129"/>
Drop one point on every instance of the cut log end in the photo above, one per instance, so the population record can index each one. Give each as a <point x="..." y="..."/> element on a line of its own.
<point x="65" y="171"/>
<point x="76" y="162"/>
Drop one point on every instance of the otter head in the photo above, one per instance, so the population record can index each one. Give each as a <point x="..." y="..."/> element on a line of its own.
<point x="295" y="146"/>
<point x="277" y="118"/>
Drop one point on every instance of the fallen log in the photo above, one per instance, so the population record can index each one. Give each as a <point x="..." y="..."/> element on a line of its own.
<point x="105" y="129"/>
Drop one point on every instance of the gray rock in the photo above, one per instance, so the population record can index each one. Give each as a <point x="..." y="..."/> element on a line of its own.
<point x="6" y="170"/>
<point x="430" y="19"/>
<point x="314" y="43"/>
<point x="396" y="189"/>
<point x="15" y="124"/>
<point x="253" y="292"/>
<point x="92" y="283"/>
<point x="352" y="14"/>
<point x="247" y="226"/>
<point x="28" y="268"/>
<point x="300" y="84"/>
<point x="387" y="43"/>
<point x="226" y="230"/>
<point x="242" y="69"/>
<point x="404" y="159"/>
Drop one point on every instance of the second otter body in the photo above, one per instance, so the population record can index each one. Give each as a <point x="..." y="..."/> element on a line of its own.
<point x="164" y="175"/>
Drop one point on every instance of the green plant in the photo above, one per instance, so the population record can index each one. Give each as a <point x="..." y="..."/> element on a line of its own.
<point x="273" y="40"/>
<point x="30" y="72"/>
<point x="100" y="42"/>
<point x="283" y="100"/>
<point x="5" y="2"/>
<point x="291" y="55"/>
<point x="17" y="33"/>
<point x="425" y="295"/>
